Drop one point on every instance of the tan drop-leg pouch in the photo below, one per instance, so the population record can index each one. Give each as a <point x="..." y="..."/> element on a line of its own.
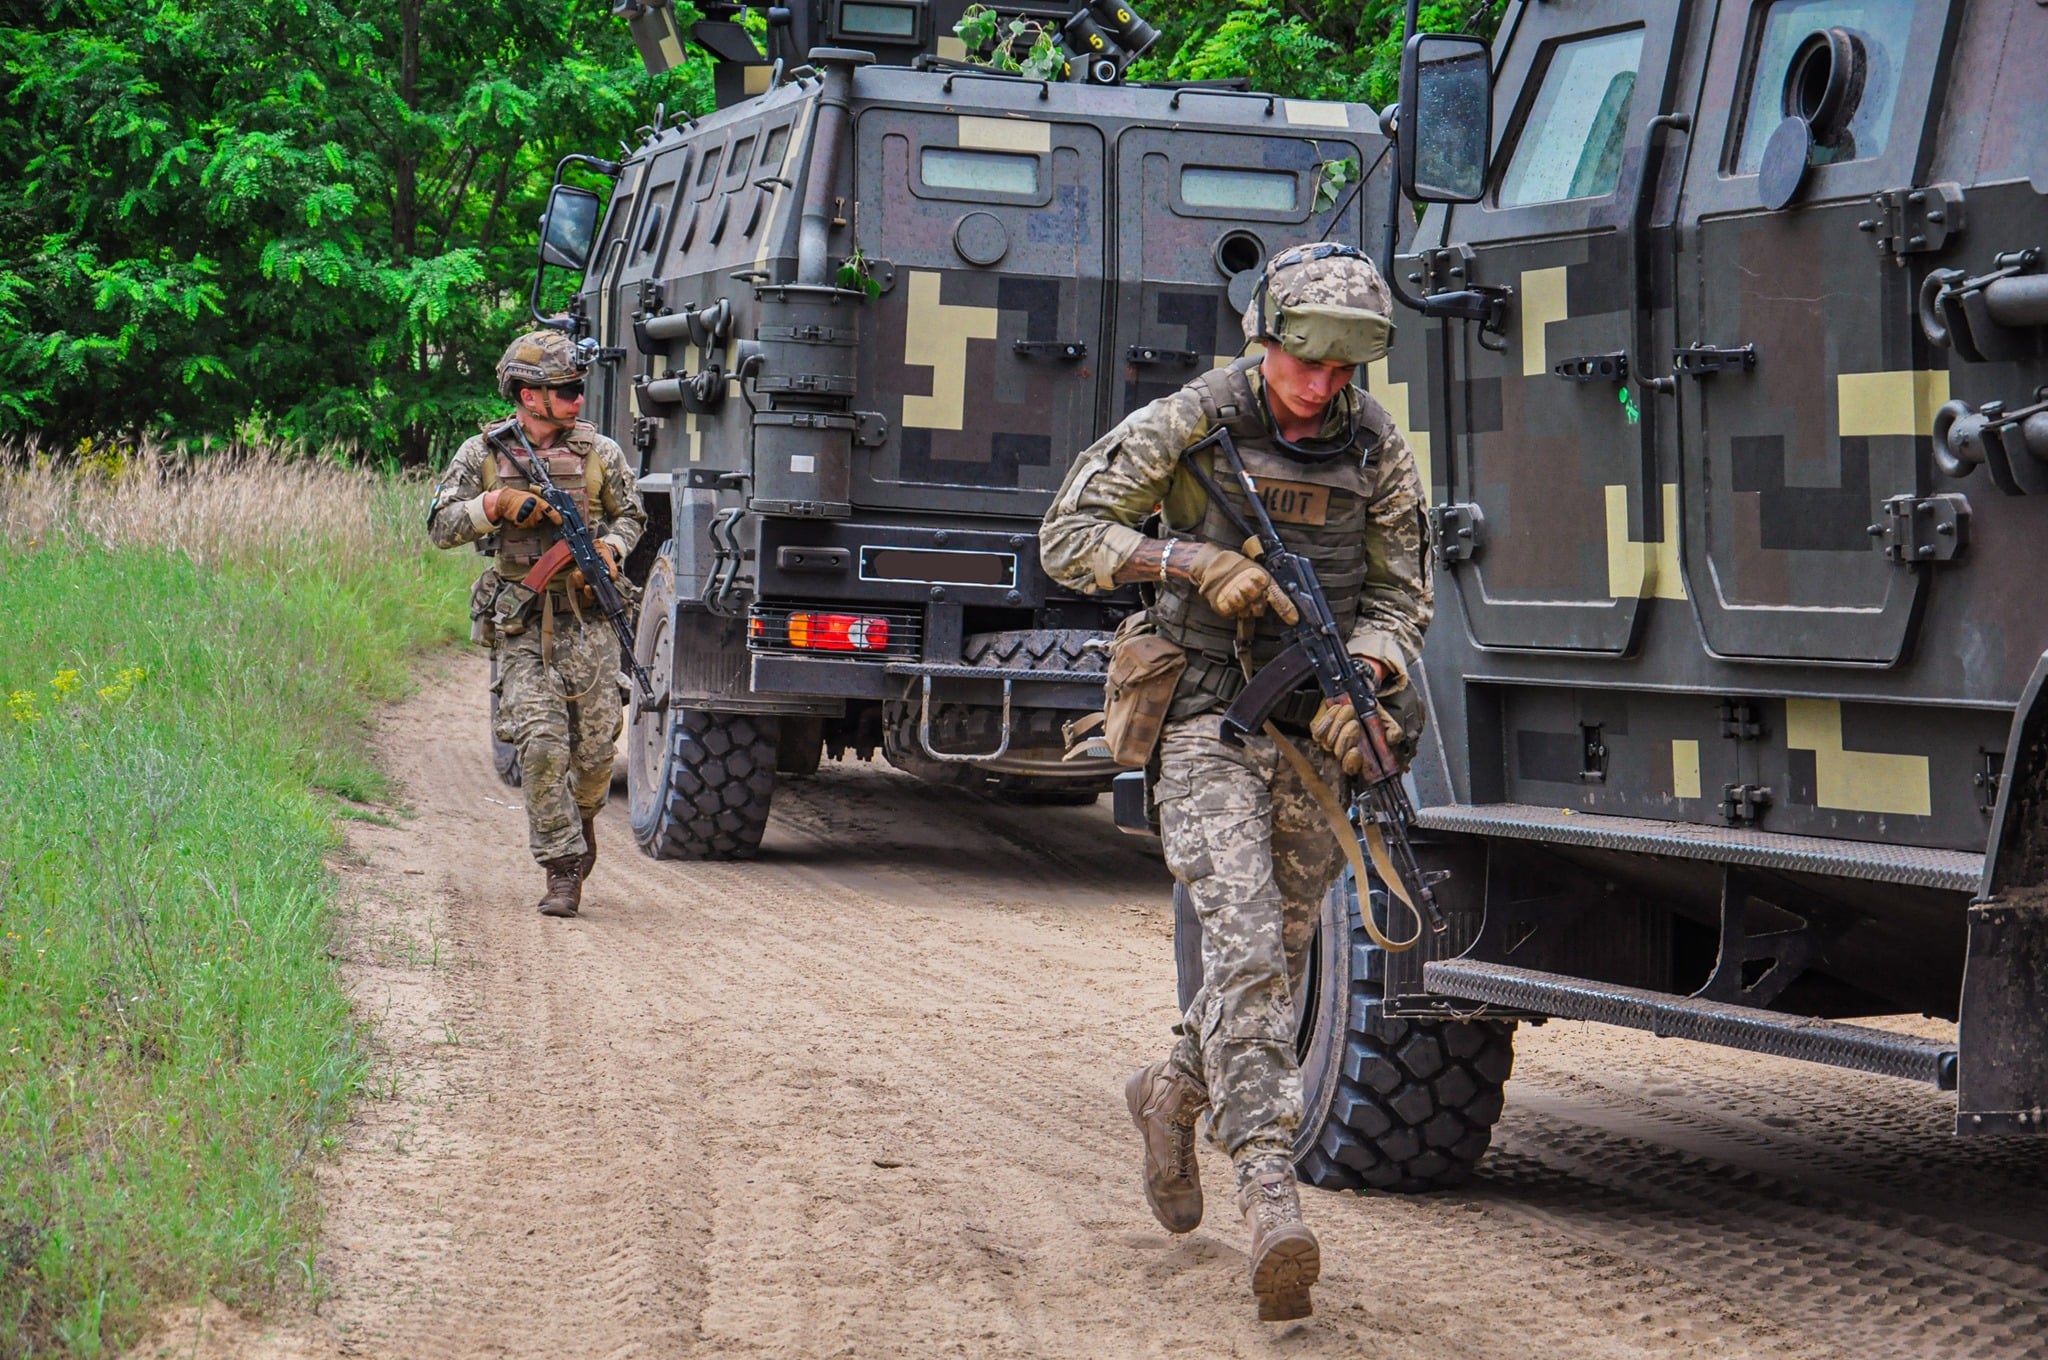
<point x="1143" y="670"/>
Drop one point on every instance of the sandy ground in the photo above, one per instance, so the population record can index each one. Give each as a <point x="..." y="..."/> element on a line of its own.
<point x="862" y="1097"/>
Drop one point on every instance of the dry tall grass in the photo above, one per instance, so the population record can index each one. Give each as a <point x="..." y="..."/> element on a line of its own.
<point x="240" y="506"/>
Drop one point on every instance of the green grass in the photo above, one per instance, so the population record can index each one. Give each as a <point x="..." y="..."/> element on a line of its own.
<point x="175" y="743"/>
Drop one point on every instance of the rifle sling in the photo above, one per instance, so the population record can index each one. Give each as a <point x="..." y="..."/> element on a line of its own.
<point x="1347" y="837"/>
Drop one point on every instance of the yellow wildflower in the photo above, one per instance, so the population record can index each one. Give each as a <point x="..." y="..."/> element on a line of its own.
<point x="125" y="681"/>
<point x="21" y="706"/>
<point x="63" y="682"/>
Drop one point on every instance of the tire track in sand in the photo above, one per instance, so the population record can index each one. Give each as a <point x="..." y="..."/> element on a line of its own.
<point x="862" y="1098"/>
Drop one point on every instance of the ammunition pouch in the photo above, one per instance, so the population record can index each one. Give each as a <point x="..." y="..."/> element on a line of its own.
<point x="509" y="609"/>
<point x="1144" y="669"/>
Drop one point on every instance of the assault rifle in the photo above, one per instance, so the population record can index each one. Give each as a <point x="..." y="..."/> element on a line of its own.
<point x="611" y="602"/>
<point x="1317" y="652"/>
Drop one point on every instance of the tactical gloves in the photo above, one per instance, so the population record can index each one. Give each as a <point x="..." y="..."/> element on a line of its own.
<point x="610" y="554"/>
<point x="1338" y="730"/>
<point x="1235" y="586"/>
<point x="520" y="509"/>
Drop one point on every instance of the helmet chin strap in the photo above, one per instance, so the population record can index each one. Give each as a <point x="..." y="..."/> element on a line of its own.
<point x="545" y="416"/>
<point x="1320" y="449"/>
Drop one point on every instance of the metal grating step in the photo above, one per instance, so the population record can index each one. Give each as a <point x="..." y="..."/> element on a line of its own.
<point x="1710" y="1022"/>
<point x="1917" y="865"/>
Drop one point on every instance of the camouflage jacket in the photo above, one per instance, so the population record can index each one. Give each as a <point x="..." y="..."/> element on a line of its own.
<point x="456" y="515"/>
<point x="1129" y="474"/>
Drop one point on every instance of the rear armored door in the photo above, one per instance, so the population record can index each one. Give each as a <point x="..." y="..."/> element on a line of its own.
<point x="981" y="350"/>
<point x="1793" y="446"/>
<point x="1552" y="459"/>
<point x="1200" y="211"/>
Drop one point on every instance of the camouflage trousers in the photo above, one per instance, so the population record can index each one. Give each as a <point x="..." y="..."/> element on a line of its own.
<point x="1246" y="837"/>
<point x="564" y="719"/>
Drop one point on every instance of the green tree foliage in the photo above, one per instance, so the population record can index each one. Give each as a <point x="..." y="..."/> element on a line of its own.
<point x="314" y="220"/>
<point x="1309" y="49"/>
<point x="307" y="219"/>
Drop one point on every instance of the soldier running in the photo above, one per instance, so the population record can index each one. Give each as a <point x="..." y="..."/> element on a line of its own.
<point x="1240" y="827"/>
<point x="557" y="658"/>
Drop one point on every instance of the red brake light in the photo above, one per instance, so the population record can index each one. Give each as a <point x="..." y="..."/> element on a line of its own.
<point x="838" y="632"/>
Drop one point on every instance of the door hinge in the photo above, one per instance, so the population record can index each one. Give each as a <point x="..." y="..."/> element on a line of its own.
<point x="1697" y="360"/>
<point x="1457" y="531"/>
<point x="1990" y="769"/>
<point x="1744" y="804"/>
<point x="1910" y="221"/>
<point x="1051" y="349"/>
<point x="1593" y="368"/>
<point x="1923" y="528"/>
<point x="1741" y="720"/>
<point x="1145" y="355"/>
<point x="1442" y="269"/>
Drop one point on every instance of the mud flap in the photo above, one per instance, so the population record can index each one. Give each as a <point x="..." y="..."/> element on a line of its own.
<point x="2002" y="1086"/>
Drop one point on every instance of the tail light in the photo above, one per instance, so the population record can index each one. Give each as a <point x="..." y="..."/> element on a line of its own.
<point x="838" y="632"/>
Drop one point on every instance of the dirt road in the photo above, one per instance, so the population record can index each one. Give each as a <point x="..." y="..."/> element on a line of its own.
<point x="863" y="1098"/>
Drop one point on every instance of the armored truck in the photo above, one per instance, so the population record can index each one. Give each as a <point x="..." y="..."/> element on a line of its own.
<point x="1730" y="387"/>
<point x="852" y="326"/>
<point x="1726" y="363"/>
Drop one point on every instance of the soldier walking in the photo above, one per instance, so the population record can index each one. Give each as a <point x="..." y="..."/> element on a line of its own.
<point x="557" y="658"/>
<point x="1240" y="826"/>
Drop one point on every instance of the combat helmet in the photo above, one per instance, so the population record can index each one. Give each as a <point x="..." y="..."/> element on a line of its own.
<point x="1322" y="303"/>
<point x="542" y="359"/>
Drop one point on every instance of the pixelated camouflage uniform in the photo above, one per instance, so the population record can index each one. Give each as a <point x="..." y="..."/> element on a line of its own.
<point x="1239" y="828"/>
<point x="557" y="659"/>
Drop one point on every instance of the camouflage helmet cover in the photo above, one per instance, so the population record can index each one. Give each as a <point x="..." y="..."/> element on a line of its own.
<point x="1324" y="303"/>
<point x="541" y="359"/>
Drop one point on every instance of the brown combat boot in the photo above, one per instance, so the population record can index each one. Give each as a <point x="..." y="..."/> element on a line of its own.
<point x="587" y="861"/>
<point x="1165" y="1104"/>
<point x="565" y="886"/>
<point x="1285" y="1257"/>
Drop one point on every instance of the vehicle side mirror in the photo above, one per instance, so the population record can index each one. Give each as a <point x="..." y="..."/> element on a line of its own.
<point x="1446" y="118"/>
<point x="569" y="226"/>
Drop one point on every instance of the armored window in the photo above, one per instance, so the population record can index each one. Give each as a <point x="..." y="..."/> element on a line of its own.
<point x="1858" y="97"/>
<point x="742" y="156"/>
<point x="981" y="172"/>
<point x="1572" y="138"/>
<point x="1208" y="186"/>
<point x="888" y="22"/>
<point x="708" y="169"/>
<point x="772" y="148"/>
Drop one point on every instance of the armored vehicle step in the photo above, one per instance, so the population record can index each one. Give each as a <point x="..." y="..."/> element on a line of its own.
<point x="1917" y="866"/>
<point x="1712" y="1022"/>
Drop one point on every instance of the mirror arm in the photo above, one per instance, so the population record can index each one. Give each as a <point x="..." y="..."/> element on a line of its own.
<point x="1485" y="305"/>
<point x="609" y="169"/>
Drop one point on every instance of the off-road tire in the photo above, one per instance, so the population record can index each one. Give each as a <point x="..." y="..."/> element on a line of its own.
<point x="1037" y="649"/>
<point x="710" y="799"/>
<point x="1387" y="1103"/>
<point x="504" y="755"/>
<point x="698" y="783"/>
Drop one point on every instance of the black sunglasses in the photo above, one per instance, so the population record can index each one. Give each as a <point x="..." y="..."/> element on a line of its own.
<point x="567" y="391"/>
